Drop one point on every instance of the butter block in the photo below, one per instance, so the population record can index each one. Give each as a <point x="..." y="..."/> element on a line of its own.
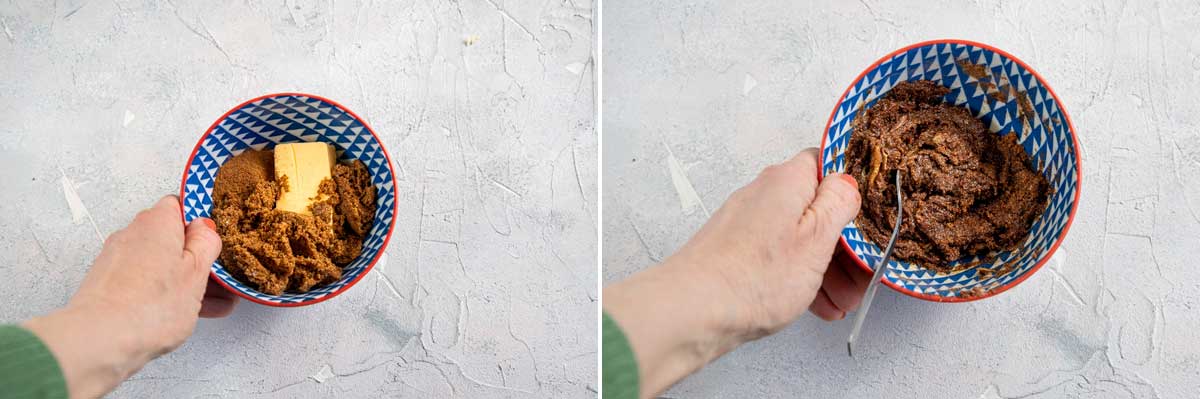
<point x="305" y="166"/>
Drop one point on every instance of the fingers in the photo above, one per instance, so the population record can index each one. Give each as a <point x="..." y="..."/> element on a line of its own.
<point x="843" y="290"/>
<point x="789" y="187"/>
<point x="824" y="308"/>
<point x="836" y="203"/>
<point x="159" y="224"/>
<point x="166" y="210"/>
<point x="217" y="301"/>
<point x="168" y="203"/>
<point x="806" y="161"/>
<point x="203" y="243"/>
<point x="848" y="264"/>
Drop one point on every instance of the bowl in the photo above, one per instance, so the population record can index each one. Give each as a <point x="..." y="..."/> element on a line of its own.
<point x="263" y="122"/>
<point x="1033" y="111"/>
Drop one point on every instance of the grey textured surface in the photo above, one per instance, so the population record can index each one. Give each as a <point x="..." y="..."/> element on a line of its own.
<point x="730" y="87"/>
<point x="489" y="287"/>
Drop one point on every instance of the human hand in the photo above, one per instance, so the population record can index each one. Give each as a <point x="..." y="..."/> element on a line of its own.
<point x="140" y="300"/>
<point x="770" y="247"/>
<point x="756" y="265"/>
<point x="842" y="288"/>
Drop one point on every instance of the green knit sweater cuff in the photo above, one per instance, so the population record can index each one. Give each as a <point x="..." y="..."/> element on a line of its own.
<point x="27" y="368"/>
<point x="620" y="372"/>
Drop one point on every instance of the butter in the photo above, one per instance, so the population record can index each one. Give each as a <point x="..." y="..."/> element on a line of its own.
<point x="305" y="166"/>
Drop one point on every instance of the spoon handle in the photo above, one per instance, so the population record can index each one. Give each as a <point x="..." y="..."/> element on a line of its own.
<point x="861" y="314"/>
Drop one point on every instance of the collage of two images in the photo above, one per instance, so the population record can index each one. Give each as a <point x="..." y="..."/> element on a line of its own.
<point x="581" y="199"/>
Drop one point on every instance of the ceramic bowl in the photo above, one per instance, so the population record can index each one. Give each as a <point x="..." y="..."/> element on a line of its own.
<point x="1010" y="98"/>
<point x="263" y="122"/>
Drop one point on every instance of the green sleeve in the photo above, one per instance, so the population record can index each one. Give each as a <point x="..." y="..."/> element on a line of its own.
<point x="619" y="369"/>
<point x="27" y="368"/>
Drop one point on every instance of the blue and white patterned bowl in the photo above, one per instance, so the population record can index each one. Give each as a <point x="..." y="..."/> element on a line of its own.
<point x="273" y="119"/>
<point x="1046" y="133"/>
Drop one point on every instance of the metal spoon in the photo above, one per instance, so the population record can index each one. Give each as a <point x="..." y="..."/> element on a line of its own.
<point x="879" y="268"/>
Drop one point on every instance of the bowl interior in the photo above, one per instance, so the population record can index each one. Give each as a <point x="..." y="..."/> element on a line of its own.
<point x="1009" y="98"/>
<point x="264" y="122"/>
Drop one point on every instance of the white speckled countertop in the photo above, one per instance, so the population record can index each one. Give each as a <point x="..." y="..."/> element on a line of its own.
<point x="492" y="265"/>
<point x="727" y="87"/>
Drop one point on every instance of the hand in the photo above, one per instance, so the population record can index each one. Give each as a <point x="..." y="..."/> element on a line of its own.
<point x="842" y="289"/>
<point x="140" y="299"/>
<point x="770" y="246"/>
<point x="760" y="261"/>
<point x="155" y="272"/>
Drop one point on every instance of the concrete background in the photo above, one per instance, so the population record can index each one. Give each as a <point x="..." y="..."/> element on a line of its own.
<point x="485" y="105"/>
<point x="727" y="88"/>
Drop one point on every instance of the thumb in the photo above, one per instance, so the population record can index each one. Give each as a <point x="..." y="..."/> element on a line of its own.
<point x="203" y="242"/>
<point x="835" y="205"/>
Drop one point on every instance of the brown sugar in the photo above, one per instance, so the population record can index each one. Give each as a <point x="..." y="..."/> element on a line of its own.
<point x="276" y="251"/>
<point x="966" y="191"/>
